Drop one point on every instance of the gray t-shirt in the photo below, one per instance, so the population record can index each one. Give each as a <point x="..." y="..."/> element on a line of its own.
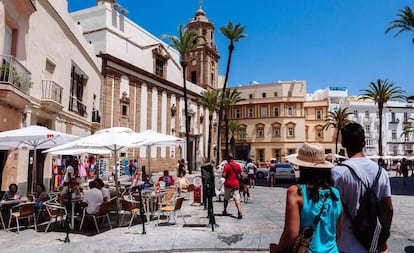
<point x="350" y="190"/>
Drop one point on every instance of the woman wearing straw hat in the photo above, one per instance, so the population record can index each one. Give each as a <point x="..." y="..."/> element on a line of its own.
<point x="313" y="197"/>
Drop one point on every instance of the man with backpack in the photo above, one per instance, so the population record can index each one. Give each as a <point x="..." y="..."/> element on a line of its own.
<point x="366" y="197"/>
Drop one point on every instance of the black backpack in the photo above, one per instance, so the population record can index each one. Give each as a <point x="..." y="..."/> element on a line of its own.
<point x="369" y="225"/>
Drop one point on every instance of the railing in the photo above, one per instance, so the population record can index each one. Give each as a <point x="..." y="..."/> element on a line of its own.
<point x="96" y="117"/>
<point x="51" y="90"/>
<point x="14" y="73"/>
<point x="77" y="106"/>
<point x="395" y="121"/>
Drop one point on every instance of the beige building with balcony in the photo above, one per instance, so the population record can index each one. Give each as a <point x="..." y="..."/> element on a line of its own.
<point x="50" y="76"/>
<point x="275" y="119"/>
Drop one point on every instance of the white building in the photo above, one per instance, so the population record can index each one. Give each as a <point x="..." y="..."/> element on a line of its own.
<point x="396" y="115"/>
<point x="56" y="82"/>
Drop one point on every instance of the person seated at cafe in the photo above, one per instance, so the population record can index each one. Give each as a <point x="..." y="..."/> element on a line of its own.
<point x="92" y="198"/>
<point x="147" y="181"/>
<point x="75" y="188"/>
<point x="41" y="196"/>
<point x="13" y="193"/>
<point x="167" y="179"/>
<point x="99" y="183"/>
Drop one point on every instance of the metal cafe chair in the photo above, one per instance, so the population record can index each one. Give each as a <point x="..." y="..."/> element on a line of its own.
<point x="21" y="211"/>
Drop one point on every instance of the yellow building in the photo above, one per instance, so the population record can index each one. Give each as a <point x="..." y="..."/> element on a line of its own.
<point x="275" y="119"/>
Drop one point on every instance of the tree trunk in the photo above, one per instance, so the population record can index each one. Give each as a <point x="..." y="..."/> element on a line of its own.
<point x="210" y="119"/>
<point x="187" y="122"/>
<point x="380" y="109"/>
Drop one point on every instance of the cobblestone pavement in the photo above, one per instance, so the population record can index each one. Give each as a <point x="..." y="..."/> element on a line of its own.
<point x="262" y="223"/>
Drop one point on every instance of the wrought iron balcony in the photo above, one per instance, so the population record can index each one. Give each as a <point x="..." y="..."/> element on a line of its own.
<point x="14" y="82"/>
<point x="76" y="106"/>
<point x="51" y="96"/>
<point x="14" y="73"/>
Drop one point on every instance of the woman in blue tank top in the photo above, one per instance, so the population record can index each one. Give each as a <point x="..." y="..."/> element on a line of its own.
<point x="313" y="196"/>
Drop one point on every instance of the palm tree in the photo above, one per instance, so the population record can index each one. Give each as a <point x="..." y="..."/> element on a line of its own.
<point x="234" y="127"/>
<point x="409" y="128"/>
<point x="186" y="41"/>
<point x="234" y="33"/>
<point x="404" y="23"/>
<point x="231" y="97"/>
<point x="210" y="100"/>
<point x="381" y="92"/>
<point x="337" y="119"/>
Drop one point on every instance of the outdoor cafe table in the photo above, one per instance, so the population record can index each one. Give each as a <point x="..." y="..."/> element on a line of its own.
<point x="73" y="201"/>
<point x="150" y="199"/>
<point x="6" y="205"/>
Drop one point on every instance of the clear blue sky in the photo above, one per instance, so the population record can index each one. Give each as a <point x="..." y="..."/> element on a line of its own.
<point x="325" y="42"/>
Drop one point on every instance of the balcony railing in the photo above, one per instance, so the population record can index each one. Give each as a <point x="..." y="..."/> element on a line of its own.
<point x="77" y="106"/>
<point x="14" y="73"/>
<point x="51" y="90"/>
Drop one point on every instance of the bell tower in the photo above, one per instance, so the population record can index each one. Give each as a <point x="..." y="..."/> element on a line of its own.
<point x="203" y="61"/>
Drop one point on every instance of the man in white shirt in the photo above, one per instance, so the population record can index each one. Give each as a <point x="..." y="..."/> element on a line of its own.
<point x="101" y="186"/>
<point x="93" y="198"/>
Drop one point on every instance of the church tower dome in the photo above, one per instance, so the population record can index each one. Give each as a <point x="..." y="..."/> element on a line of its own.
<point x="203" y="61"/>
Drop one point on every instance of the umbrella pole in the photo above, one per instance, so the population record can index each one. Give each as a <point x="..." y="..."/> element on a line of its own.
<point x="116" y="185"/>
<point x="34" y="172"/>
<point x="149" y="161"/>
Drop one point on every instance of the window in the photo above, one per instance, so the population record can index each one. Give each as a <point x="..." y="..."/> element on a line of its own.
<point x="250" y="96"/>
<point x="276" y="111"/>
<point x="250" y="113"/>
<point x="405" y="117"/>
<point x="319" y="133"/>
<point x="77" y="86"/>
<point x="159" y="67"/>
<point x="291" y="132"/>
<point x="290" y="111"/>
<point x="355" y="114"/>
<point x="263" y="94"/>
<point x="367" y="128"/>
<point x="260" y="155"/>
<point x="318" y="114"/>
<point x="394" y="135"/>
<point x="406" y="138"/>
<point x="289" y="93"/>
<point x="263" y="112"/>
<point x="393" y="117"/>
<point x="367" y="114"/>
<point x="276" y="131"/>
<point x="275" y="94"/>
<point x="237" y="113"/>
<point x="242" y="134"/>
<point x="276" y="154"/>
<point x="291" y="151"/>
<point x="194" y="76"/>
<point x="124" y="110"/>
<point x="260" y="131"/>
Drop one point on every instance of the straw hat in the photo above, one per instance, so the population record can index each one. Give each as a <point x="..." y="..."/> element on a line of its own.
<point x="310" y="155"/>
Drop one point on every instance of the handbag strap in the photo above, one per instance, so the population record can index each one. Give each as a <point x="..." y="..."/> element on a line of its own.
<point x="234" y="170"/>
